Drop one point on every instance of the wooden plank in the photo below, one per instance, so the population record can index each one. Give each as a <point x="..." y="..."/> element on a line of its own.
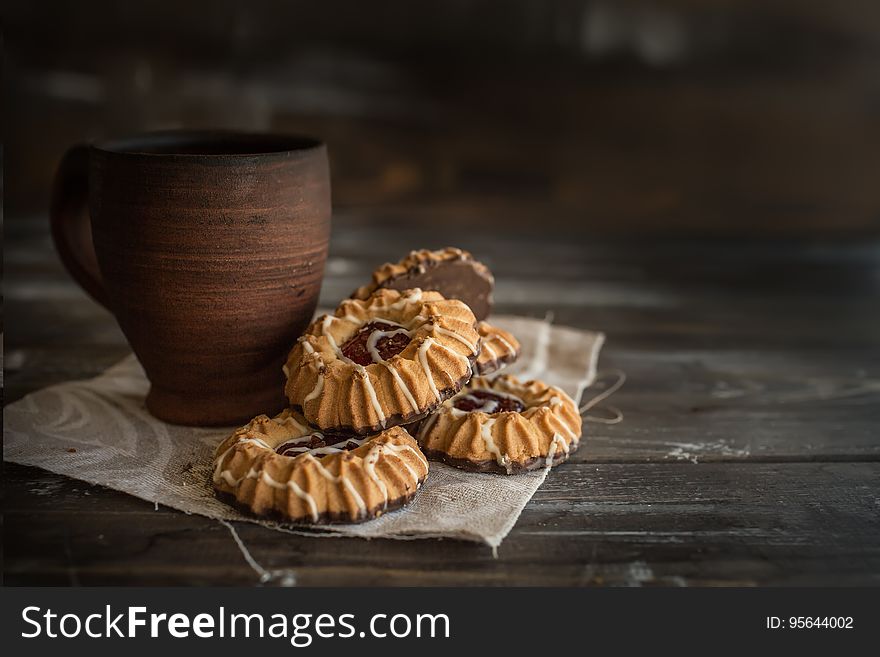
<point x="799" y="404"/>
<point x="708" y="406"/>
<point x="674" y="524"/>
<point x="708" y="380"/>
<point x="764" y="373"/>
<point x="531" y="110"/>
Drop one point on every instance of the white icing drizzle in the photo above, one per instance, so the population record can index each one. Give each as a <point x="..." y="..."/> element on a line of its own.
<point x="423" y="359"/>
<point x="222" y="457"/>
<point x="562" y="442"/>
<point x="403" y="387"/>
<point x="319" y="384"/>
<point x="461" y="357"/>
<point x="292" y="485"/>
<point x="453" y="334"/>
<point x="299" y="439"/>
<point x="486" y="405"/>
<point x="557" y="440"/>
<point x="371" y="392"/>
<point x="562" y="425"/>
<point x="269" y="481"/>
<point x="325" y="330"/>
<point x="375" y="336"/>
<point x="323" y="451"/>
<point x="226" y="476"/>
<point x="491" y="447"/>
<point x="319" y="387"/>
<point x="414" y="297"/>
<point x="409" y="469"/>
<point x="490" y="351"/>
<point x="329" y="449"/>
<point x="218" y="467"/>
<point x="388" y="321"/>
<point x="339" y="480"/>
<point x="303" y="495"/>
<point x="403" y="448"/>
<point x="509" y="346"/>
<point x="256" y="441"/>
<point x="552" y="452"/>
<point x="370" y="461"/>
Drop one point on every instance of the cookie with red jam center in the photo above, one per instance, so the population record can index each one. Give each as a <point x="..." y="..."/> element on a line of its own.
<point x="503" y="425"/>
<point x="317" y="443"/>
<point x="486" y="401"/>
<point x="388" y="360"/>
<point x="281" y="467"/>
<point x="376" y="342"/>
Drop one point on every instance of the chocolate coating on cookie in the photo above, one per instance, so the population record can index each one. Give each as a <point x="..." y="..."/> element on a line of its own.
<point x="499" y="349"/>
<point x="492" y="466"/>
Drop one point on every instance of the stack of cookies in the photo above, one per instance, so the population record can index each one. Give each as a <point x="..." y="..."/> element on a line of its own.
<point x="396" y="376"/>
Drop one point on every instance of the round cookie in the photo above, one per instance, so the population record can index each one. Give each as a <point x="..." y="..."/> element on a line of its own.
<point x="451" y="272"/>
<point x="499" y="349"/>
<point x="388" y="360"/>
<point x="281" y="467"/>
<point x="503" y="425"/>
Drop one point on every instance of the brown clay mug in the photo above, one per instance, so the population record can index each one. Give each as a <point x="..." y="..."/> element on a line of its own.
<point x="209" y="248"/>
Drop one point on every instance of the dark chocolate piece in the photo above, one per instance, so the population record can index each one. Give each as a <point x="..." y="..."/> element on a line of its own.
<point x="462" y="279"/>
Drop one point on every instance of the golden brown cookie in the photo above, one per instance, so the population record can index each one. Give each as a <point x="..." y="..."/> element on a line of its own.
<point x="282" y="467"/>
<point x="503" y="425"/>
<point x="499" y="348"/>
<point x="390" y="359"/>
<point x="451" y="272"/>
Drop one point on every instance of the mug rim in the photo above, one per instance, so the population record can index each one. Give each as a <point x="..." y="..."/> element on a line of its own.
<point x="161" y="144"/>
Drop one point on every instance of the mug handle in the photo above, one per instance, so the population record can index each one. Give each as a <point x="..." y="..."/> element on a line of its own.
<point x="70" y="223"/>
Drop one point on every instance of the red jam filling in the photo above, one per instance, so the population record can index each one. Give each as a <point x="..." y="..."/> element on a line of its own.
<point x="357" y="350"/>
<point x="483" y="401"/>
<point x="302" y="445"/>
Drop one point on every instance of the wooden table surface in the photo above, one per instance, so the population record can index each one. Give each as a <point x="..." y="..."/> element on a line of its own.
<point x="748" y="453"/>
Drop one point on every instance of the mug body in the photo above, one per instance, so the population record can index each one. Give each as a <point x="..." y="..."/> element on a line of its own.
<point x="211" y="247"/>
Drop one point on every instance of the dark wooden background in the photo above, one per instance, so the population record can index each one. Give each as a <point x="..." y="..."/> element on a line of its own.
<point x="698" y="180"/>
<point x="620" y="117"/>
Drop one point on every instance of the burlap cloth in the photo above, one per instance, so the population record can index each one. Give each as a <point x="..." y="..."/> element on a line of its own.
<point x="99" y="431"/>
